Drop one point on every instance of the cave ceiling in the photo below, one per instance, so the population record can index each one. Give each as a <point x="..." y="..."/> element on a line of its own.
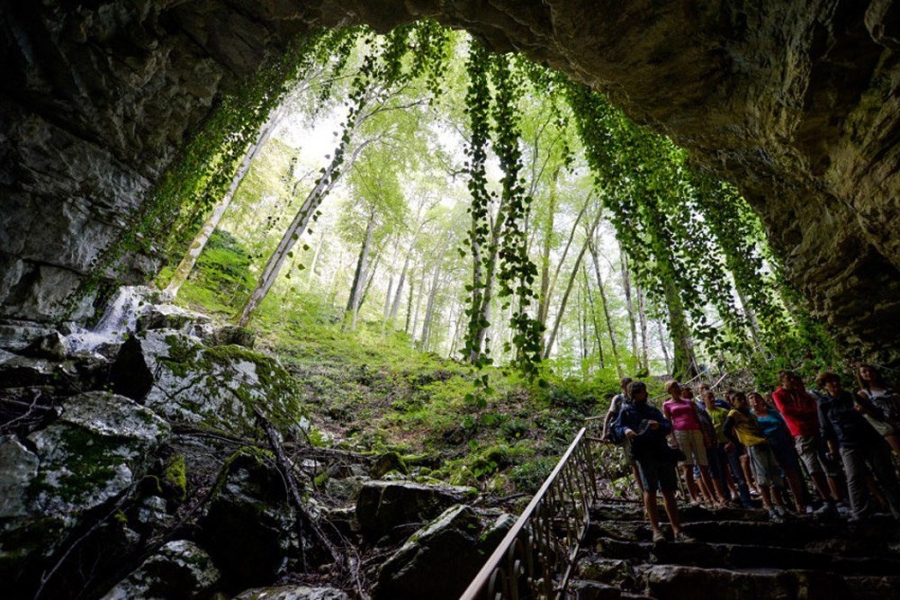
<point x="795" y="102"/>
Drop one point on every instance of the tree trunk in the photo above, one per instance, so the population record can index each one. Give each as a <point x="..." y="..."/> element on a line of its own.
<point x="642" y="313"/>
<point x="359" y="275"/>
<point x="684" y="363"/>
<point x="313" y="200"/>
<point x="544" y="299"/>
<point x="593" y="309"/>
<point x="603" y="299"/>
<point x="662" y="343"/>
<point x="565" y="300"/>
<point x="626" y="283"/>
<point x="187" y="263"/>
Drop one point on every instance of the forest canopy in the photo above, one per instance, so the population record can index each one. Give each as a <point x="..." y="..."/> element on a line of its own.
<point x="487" y="207"/>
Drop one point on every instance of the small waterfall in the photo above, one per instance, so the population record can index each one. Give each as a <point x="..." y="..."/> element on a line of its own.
<point x="119" y="319"/>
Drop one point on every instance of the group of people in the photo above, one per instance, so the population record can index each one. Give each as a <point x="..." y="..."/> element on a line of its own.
<point x="744" y="444"/>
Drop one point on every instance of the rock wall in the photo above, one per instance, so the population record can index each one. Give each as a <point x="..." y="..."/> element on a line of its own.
<point x="795" y="102"/>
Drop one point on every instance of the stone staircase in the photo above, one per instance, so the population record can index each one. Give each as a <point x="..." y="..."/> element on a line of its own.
<point x="736" y="554"/>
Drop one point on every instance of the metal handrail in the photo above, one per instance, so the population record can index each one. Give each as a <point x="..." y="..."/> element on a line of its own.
<point x="536" y="557"/>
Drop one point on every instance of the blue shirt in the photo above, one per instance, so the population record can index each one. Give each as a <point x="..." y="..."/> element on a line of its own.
<point x="633" y="416"/>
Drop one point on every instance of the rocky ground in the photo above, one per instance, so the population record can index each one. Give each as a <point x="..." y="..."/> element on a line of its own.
<point x="178" y="464"/>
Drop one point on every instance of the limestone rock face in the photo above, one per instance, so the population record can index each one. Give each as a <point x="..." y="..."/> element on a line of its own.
<point x="180" y="569"/>
<point x="186" y="382"/>
<point x="383" y="505"/>
<point x="795" y="102"/>
<point x="92" y="453"/>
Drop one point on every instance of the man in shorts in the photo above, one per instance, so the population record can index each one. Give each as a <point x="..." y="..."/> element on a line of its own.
<point x="801" y="413"/>
<point x="647" y="429"/>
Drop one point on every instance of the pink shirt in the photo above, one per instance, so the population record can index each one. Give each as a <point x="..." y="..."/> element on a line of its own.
<point x="682" y="413"/>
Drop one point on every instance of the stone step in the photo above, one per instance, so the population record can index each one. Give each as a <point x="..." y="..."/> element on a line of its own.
<point x="685" y="583"/>
<point x="714" y="555"/>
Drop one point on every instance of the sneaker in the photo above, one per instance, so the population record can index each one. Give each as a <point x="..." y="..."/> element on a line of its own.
<point x="683" y="538"/>
<point x="826" y="510"/>
<point x="809" y="509"/>
<point x="659" y="537"/>
<point x="775" y="517"/>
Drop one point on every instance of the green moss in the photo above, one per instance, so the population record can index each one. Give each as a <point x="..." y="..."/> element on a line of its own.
<point x="175" y="476"/>
<point x="93" y="462"/>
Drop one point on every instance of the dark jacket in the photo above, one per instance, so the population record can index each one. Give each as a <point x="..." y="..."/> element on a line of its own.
<point x="840" y="421"/>
<point x="648" y="442"/>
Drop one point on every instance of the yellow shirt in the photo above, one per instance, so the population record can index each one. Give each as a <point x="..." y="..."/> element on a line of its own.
<point x="747" y="428"/>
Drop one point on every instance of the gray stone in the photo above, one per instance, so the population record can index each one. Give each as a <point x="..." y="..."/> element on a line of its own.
<point x="96" y="450"/>
<point x="293" y="592"/>
<point x="250" y="527"/>
<point x="18" y="468"/>
<point x="213" y="335"/>
<point x="51" y="346"/>
<point x="437" y="562"/>
<point x="185" y="382"/>
<point x="346" y="489"/>
<point x="15" y="335"/>
<point x="168" y="316"/>
<point x="592" y="590"/>
<point x="383" y="505"/>
<point x="180" y="569"/>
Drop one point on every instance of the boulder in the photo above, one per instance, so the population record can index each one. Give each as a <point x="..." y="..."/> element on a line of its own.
<point x="250" y="528"/>
<point x="96" y="450"/>
<point x="16" y="335"/>
<point x="438" y="561"/>
<point x="185" y="382"/>
<point x="180" y="569"/>
<point x="293" y="592"/>
<point x="593" y="590"/>
<point x="225" y="335"/>
<point x="51" y="346"/>
<point x="383" y="505"/>
<point x="387" y="462"/>
<point x="169" y="316"/>
<point x="345" y="489"/>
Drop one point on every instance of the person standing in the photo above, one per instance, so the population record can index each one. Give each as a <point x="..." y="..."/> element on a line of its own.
<point x="647" y="429"/>
<point x="720" y="459"/>
<point x="801" y="413"/>
<point x="616" y="405"/>
<point x="742" y="427"/>
<point x="874" y="389"/>
<point x="681" y="411"/>
<point x="781" y="442"/>
<point x="847" y="431"/>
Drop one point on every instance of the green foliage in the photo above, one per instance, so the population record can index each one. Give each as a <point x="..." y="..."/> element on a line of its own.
<point x="221" y="278"/>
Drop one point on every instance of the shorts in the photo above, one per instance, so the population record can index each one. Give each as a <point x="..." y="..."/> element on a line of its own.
<point x="809" y="448"/>
<point x="690" y="441"/>
<point x="765" y="467"/>
<point x="786" y="455"/>
<point x="657" y="475"/>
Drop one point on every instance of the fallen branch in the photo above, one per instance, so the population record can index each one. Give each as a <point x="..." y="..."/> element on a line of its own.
<point x="297" y="500"/>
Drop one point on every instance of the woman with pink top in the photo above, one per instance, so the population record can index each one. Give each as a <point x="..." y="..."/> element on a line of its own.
<point x="688" y="435"/>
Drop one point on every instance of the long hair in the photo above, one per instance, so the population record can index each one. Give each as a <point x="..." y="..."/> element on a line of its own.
<point x="865" y="385"/>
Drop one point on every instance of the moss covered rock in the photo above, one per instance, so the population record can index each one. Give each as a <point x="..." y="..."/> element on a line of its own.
<point x="218" y="388"/>
<point x="250" y="527"/>
<point x="180" y="569"/>
<point x="98" y="448"/>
